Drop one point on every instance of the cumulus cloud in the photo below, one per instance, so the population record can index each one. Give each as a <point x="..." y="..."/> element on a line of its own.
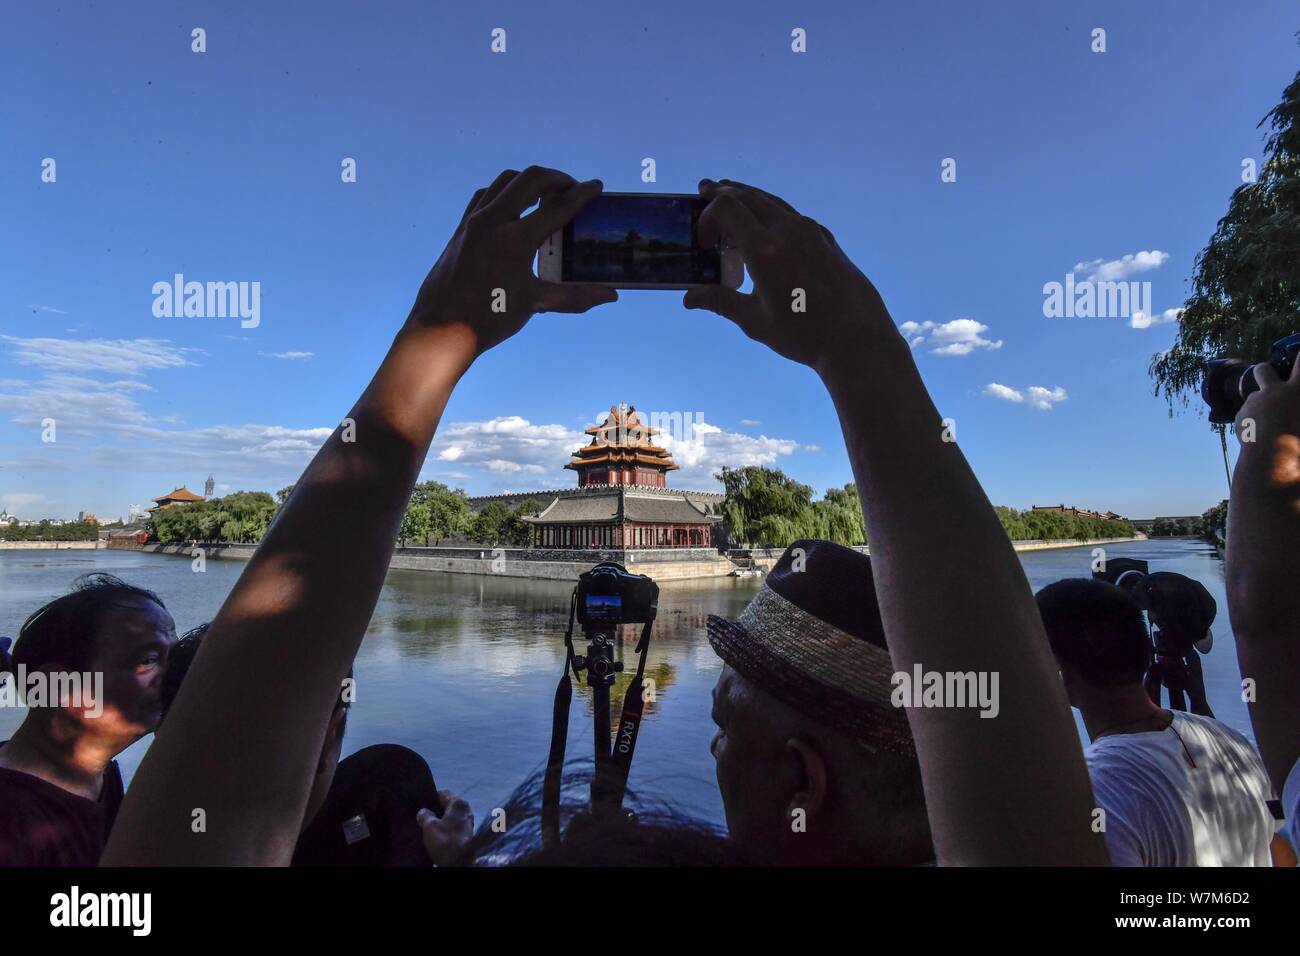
<point x="504" y="453"/>
<point x="1140" y="320"/>
<point x="701" y="449"/>
<point x="1035" y="396"/>
<point x="958" y="337"/>
<point x="1112" y="270"/>
<point x="532" y="455"/>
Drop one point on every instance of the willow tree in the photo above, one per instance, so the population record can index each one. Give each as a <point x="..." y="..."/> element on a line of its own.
<point x="764" y="507"/>
<point x="1246" y="289"/>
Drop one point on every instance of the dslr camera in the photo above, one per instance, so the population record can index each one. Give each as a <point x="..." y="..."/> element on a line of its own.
<point x="608" y="595"/>
<point x="1180" y="611"/>
<point x="1228" y="382"/>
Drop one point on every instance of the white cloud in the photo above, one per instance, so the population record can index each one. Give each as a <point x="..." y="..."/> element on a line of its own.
<point x="115" y="356"/>
<point x="121" y="432"/>
<point x="1035" y="396"/>
<point x="704" y="448"/>
<point x="1100" y="270"/>
<point x="533" y="455"/>
<point x="958" y="337"/>
<point x="750" y="422"/>
<point x="1140" y="320"/>
<point x="289" y="356"/>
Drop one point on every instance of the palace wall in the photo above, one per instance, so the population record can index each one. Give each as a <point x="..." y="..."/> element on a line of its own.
<point x="662" y="564"/>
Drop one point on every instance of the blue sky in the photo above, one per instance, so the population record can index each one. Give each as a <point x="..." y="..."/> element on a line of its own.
<point x="225" y="166"/>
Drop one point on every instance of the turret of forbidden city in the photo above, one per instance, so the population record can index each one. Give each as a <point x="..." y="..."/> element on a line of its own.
<point x="623" y="500"/>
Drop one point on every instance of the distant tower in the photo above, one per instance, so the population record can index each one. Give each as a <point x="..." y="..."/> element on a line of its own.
<point x="622" y="452"/>
<point x="207" y="488"/>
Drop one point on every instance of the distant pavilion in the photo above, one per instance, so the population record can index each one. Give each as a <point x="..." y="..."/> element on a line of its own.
<point x="624" y="500"/>
<point x="178" y="496"/>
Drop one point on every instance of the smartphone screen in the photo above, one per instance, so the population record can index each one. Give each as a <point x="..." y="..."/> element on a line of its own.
<point x="631" y="239"/>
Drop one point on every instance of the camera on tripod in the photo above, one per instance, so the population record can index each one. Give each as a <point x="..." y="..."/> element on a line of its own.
<point x="1229" y="382"/>
<point x="608" y="596"/>
<point x="1180" y="611"/>
<point x="605" y="597"/>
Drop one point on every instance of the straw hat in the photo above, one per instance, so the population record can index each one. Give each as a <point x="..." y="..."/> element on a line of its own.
<point x="813" y="639"/>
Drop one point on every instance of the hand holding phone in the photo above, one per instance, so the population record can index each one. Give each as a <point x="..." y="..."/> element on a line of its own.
<point x="810" y="303"/>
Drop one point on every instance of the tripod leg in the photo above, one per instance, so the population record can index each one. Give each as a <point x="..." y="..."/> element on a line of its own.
<point x="1196" y="685"/>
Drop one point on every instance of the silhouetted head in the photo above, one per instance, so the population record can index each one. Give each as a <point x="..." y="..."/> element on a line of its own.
<point x="104" y="631"/>
<point x="645" y="832"/>
<point x="815" y="764"/>
<point x="1097" y="634"/>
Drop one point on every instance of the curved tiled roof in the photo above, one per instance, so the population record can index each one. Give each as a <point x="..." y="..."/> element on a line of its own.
<point x="180" y="494"/>
<point x="622" y="506"/>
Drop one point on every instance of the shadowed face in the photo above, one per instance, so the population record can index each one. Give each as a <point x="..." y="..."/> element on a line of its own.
<point x="797" y="793"/>
<point x="131" y="652"/>
<point x="747" y="755"/>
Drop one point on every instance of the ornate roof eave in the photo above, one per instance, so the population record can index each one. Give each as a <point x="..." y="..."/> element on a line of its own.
<point x="626" y="459"/>
<point x="596" y="449"/>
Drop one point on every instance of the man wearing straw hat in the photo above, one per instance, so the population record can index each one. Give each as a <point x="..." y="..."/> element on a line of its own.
<point x="815" y="765"/>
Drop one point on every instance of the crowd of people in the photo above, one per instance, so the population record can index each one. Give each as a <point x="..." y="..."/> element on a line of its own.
<point x="817" y="762"/>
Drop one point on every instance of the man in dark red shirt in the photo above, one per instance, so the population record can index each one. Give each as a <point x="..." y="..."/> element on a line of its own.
<point x="105" y="645"/>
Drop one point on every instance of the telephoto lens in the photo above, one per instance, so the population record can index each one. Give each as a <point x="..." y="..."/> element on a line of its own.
<point x="1227" y="385"/>
<point x="1229" y="382"/>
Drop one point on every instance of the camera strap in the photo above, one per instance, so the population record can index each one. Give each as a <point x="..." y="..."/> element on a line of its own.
<point x="612" y="774"/>
<point x="559" y="739"/>
<point x="629" y="724"/>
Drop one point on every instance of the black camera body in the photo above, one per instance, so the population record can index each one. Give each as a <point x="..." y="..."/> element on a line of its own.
<point x="608" y="595"/>
<point x="1125" y="572"/>
<point x="1180" y="607"/>
<point x="1229" y="382"/>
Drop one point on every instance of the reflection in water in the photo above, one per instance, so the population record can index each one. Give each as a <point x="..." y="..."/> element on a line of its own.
<point x="463" y="669"/>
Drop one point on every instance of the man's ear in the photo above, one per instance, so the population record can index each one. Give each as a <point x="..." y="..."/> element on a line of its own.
<point x="810" y="769"/>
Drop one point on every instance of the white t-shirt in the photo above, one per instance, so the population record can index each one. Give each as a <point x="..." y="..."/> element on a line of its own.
<point x="1193" y="794"/>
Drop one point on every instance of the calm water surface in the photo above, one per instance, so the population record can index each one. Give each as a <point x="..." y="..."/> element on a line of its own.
<point x="463" y="668"/>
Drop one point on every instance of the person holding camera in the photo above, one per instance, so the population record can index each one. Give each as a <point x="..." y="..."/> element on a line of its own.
<point x="285" y="638"/>
<point x="951" y="593"/>
<point x="1172" y="788"/>
<point x="1263" y="578"/>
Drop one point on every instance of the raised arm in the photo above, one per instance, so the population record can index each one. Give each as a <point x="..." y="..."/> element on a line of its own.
<point x="1263" y="575"/>
<point x="245" y="732"/>
<point x="1006" y="790"/>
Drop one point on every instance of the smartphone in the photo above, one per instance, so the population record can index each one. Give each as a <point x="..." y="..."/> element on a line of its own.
<point x="639" y="241"/>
